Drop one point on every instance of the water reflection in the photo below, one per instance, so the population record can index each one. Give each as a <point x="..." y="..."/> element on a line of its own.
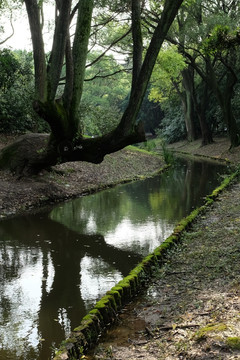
<point x="54" y="266"/>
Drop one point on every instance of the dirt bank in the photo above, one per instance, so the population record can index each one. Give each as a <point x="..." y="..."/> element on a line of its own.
<point x="71" y="180"/>
<point x="219" y="150"/>
<point x="191" y="309"/>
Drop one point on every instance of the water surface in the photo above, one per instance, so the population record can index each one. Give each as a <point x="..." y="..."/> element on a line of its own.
<point x="55" y="265"/>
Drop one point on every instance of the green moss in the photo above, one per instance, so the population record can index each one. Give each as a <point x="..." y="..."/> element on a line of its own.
<point x="111" y="300"/>
<point x="126" y="286"/>
<point x="233" y="342"/>
<point x="107" y="307"/>
<point x="117" y="298"/>
<point x="138" y="269"/>
<point x="143" y="151"/>
<point x="210" y="328"/>
<point x="185" y="222"/>
<point x="95" y="312"/>
<point x="139" y="275"/>
<point x="118" y="288"/>
<point x="87" y="319"/>
<point x="167" y="244"/>
<point x="148" y="259"/>
<point x="223" y="185"/>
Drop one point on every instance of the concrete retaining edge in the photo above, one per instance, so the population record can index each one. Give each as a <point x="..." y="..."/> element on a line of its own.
<point x="106" y="310"/>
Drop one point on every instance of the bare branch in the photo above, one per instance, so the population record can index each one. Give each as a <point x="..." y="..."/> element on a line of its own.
<point x="9" y="37"/>
<point x="107" y="75"/>
<point x="108" y="48"/>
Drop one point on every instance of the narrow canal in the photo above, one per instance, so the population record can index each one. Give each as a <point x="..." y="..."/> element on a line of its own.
<point x="55" y="265"/>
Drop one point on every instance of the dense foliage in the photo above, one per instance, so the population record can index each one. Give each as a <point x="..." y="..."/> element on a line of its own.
<point x="206" y="36"/>
<point x="16" y="93"/>
<point x="194" y="89"/>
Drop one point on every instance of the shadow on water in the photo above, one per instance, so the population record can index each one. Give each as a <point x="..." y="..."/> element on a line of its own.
<point x="54" y="266"/>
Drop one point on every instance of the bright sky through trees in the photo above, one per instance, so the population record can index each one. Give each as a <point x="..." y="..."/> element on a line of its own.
<point x="22" y="36"/>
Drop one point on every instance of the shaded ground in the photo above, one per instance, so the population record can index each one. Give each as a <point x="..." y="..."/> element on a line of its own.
<point x="219" y="150"/>
<point x="191" y="310"/>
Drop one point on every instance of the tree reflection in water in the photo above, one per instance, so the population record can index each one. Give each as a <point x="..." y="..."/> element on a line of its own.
<point x="54" y="266"/>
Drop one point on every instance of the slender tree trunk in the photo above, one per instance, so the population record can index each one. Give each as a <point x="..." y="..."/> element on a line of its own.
<point x="60" y="38"/>
<point x="230" y="120"/>
<point x="205" y="130"/>
<point x="137" y="40"/>
<point x="201" y="103"/>
<point x="33" y="12"/>
<point x="188" y="103"/>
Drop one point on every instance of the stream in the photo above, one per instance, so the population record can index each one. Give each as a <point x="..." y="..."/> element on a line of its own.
<point x="55" y="265"/>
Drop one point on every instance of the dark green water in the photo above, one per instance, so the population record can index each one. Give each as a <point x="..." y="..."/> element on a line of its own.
<point x="55" y="265"/>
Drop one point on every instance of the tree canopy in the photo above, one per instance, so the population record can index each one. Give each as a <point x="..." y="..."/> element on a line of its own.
<point x="105" y="57"/>
<point x="206" y="34"/>
<point x="77" y="29"/>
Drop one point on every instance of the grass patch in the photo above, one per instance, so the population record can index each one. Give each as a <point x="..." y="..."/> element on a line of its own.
<point x="233" y="342"/>
<point x="210" y="328"/>
<point x="142" y="150"/>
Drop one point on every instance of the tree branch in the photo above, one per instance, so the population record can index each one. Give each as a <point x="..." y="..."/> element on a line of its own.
<point x="97" y="76"/>
<point x="9" y="37"/>
<point x="108" y="48"/>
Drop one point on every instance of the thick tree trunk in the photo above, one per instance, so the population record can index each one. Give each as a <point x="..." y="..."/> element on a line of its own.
<point x="31" y="153"/>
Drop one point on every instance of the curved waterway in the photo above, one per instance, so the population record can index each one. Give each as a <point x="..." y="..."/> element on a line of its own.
<point x="55" y="265"/>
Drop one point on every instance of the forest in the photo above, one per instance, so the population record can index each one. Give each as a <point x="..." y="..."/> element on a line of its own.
<point x="92" y="78"/>
<point x="116" y="74"/>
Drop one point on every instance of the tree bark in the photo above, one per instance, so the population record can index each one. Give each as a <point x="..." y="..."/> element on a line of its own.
<point x="33" y="12"/>
<point x="79" y="51"/>
<point x="60" y="38"/>
<point x="137" y="40"/>
<point x="200" y="100"/>
<point x="189" y="113"/>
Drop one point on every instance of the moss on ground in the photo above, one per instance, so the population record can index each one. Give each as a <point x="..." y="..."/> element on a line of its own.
<point x="209" y="328"/>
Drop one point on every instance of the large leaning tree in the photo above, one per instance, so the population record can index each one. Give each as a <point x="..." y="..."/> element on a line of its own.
<point x="33" y="152"/>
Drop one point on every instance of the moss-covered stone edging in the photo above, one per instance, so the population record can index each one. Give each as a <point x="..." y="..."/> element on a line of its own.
<point x="105" y="311"/>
